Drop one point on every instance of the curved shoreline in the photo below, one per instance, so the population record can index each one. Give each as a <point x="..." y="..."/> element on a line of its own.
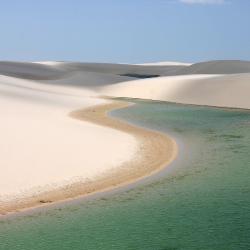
<point x="156" y="150"/>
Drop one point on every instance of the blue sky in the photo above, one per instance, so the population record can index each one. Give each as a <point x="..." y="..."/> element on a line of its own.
<point x="124" y="30"/>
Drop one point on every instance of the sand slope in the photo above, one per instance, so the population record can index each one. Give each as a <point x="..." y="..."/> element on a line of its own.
<point x="213" y="90"/>
<point x="58" y="70"/>
<point x="216" y="67"/>
<point x="42" y="147"/>
<point x="167" y="63"/>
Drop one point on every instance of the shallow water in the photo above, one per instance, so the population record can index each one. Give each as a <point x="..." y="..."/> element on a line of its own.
<point x="201" y="202"/>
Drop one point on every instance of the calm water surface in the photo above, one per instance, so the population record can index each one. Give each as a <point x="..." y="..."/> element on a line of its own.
<point x="201" y="202"/>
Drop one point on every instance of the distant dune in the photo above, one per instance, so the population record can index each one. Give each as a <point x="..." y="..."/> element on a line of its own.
<point x="27" y="70"/>
<point x="116" y="72"/>
<point x="168" y="63"/>
<point x="57" y="70"/>
<point x="217" y="83"/>
<point x="216" y="67"/>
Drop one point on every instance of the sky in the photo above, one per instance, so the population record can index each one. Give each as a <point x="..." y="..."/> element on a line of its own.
<point x="124" y="31"/>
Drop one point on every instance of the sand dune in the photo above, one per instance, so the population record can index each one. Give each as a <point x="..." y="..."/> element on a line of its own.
<point x="216" y="67"/>
<point x="26" y="70"/>
<point x="167" y="63"/>
<point x="88" y="80"/>
<point x="42" y="147"/>
<point x="213" y="90"/>
<point x="57" y="70"/>
<point x="118" y="69"/>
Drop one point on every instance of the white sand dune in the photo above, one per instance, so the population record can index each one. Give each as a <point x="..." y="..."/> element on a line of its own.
<point x="50" y="63"/>
<point x="42" y="147"/>
<point x="167" y="63"/>
<point x="213" y="90"/>
<point x="216" y="67"/>
<point x="60" y="70"/>
<point x="82" y="74"/>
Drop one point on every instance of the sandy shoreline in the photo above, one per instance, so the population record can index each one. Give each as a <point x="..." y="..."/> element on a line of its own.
<point x="49" y="155"/>
<point x="156" y="150"/>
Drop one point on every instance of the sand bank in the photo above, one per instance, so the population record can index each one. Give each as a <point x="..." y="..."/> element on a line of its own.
<point x="155" y="151"/>
<point x="42" y="148"/>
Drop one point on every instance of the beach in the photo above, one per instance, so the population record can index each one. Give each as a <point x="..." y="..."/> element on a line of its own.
<point x="154" y="152"/>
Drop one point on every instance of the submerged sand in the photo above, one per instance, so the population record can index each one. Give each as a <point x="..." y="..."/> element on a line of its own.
<point x="155" y="151"/>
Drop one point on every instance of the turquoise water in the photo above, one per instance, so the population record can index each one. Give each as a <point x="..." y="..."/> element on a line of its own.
<point x="202" y="201"/>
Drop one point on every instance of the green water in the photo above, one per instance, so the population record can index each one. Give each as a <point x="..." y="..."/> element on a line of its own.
<point x="201" y="202"/>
